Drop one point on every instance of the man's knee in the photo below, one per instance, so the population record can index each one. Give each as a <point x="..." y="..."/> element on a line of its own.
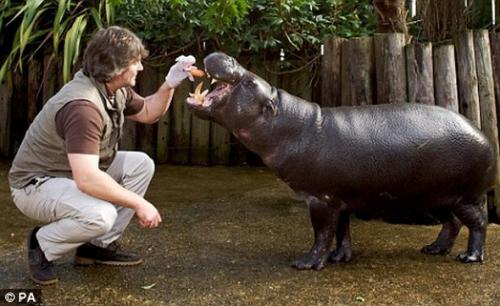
<point x="102" y="220"/>
<point x="148" y="165"/>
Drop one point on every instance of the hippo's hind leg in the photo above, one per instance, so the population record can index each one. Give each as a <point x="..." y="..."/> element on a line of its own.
<point x="473" y="217"/>
<point x="343" y="251"/>
<point x="324" y="219"/>
<point x="447" y="235"/>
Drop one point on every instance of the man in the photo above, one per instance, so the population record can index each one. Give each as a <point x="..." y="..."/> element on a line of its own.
<point x="68" y="172"/>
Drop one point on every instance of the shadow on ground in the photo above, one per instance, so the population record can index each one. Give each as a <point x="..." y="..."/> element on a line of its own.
<point x="228" y="238"/>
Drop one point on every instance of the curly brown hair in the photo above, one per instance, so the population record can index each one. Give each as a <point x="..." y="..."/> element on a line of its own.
<point x="110" y="52"/>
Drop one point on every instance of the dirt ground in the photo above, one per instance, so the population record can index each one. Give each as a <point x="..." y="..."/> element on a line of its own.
<point x="228" y="238"/>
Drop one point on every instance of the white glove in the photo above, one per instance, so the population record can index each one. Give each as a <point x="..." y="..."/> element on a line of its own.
<point x="180" y="70"/>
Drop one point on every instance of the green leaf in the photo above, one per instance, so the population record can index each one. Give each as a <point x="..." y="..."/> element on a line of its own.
<point x="96" y="17"/>
<point x="72" y="45"/>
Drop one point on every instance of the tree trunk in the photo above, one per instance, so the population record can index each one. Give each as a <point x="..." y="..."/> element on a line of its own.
<point x="391" y="16"/>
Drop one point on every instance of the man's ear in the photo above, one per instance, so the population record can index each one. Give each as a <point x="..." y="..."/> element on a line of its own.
<point x="270" y="106"/>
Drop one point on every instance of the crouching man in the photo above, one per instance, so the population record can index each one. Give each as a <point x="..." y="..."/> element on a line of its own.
<point x="68" y="172"/>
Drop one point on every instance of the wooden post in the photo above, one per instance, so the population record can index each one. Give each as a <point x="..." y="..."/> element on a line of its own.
<point x="163" y="129"/>
<point x="19" y="118"/>
<point x="129" y="136"/>
<point x="495" y="57"/>
<point x="49" y="76"/>
<point x="5" y="104"/>
<point x="331" y="72"/>
<point x="302" y="83"/>
<point x="467" y="77"/>
<point x="288" y="80"/>
<point x="181" y="125"/>
<point x="359" y="73"/>
<point x="487" y="107"/>
<point x="147" y="84"/>
<point x="220" y="139"/>
<point x="34" y="83"/>
<point x="390" y="67"/>
<point x="345" y="76"/>
<point x="445" y="77"/>
<point x="420" y="73"/>
<point x="200" y="139"/>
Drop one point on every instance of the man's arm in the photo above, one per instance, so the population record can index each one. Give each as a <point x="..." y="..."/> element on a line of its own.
<point x="155" y="105"/>
<point x="97" y="183"/>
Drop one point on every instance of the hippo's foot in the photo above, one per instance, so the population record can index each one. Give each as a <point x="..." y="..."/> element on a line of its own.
<point x="341" y="254"/>
<point x="471" y="256"/>
<point x="311" y="262"/>
<point x="436" y="249"/>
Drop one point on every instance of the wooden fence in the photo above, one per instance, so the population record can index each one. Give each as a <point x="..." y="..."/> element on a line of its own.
<point x="463" y="76"/>
<point x="178" y="138"/>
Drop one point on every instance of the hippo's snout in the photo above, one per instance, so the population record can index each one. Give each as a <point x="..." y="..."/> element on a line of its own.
<point x="225" y="72"/>
<point x="223" y="67"/>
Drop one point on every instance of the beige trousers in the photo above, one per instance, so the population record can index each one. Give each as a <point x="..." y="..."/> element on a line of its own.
<point x="73" y="217"/>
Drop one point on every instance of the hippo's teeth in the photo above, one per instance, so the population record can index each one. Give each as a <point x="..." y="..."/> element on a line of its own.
<point x="213" y="81"/>
<point x="198" y="95"/>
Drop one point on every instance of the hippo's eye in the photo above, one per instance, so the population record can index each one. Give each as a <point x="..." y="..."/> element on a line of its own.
<point x="249" y="83"/>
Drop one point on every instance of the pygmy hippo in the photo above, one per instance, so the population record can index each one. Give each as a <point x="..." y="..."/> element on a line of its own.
<point x="363" y="159"/>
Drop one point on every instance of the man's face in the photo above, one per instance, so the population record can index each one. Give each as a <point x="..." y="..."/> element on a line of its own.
<point x="128" y="77"/>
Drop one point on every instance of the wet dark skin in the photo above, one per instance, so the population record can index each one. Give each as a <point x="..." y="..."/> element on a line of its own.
<point x="365" y="159"/>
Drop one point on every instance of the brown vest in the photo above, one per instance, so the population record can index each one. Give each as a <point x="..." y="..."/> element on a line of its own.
<point x="43" y="152"/>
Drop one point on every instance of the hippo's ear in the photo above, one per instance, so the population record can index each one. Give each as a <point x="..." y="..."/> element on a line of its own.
<point x="270" y="105"/>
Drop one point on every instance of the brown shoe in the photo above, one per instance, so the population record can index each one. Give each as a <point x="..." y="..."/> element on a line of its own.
<point x="39" y="267"/>
<point x="88" y="254"/>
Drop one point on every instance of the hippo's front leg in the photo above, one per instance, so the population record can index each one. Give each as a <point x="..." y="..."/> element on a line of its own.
<point x="324" y="218"/>
<point x="343" y="251"/>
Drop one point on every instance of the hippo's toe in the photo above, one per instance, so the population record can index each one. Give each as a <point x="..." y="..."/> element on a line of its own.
<point x="340" y="254"/>
<point x="435" y="249"/>
<point x="471" y="256"/>
<point x="308" y="263"/>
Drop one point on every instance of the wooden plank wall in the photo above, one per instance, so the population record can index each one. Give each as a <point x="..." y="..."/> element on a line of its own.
<point x="463" y="76"/>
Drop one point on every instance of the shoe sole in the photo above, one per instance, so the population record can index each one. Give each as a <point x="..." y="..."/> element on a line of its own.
<point x="82" y="261"/>
<point x="46" y="282"/>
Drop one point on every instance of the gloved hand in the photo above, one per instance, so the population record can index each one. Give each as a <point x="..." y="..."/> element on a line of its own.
<point x="180" y="70"/>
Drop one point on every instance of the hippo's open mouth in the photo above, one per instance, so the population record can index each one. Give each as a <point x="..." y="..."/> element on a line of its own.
<point x="226" y="73"/>
<point x="207" y="98"/>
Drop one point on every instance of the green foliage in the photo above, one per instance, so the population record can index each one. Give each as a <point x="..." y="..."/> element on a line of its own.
<point x="170" y="27"/>
<point x="239" y="26"/>
<point x="37" y="22"/>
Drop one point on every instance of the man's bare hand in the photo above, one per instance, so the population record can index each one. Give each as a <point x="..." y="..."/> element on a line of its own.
<point x="148" y="215"/>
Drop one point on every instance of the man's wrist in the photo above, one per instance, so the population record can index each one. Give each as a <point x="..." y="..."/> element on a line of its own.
<point x="171" y="83"/>
<point x="166" y="85"/>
